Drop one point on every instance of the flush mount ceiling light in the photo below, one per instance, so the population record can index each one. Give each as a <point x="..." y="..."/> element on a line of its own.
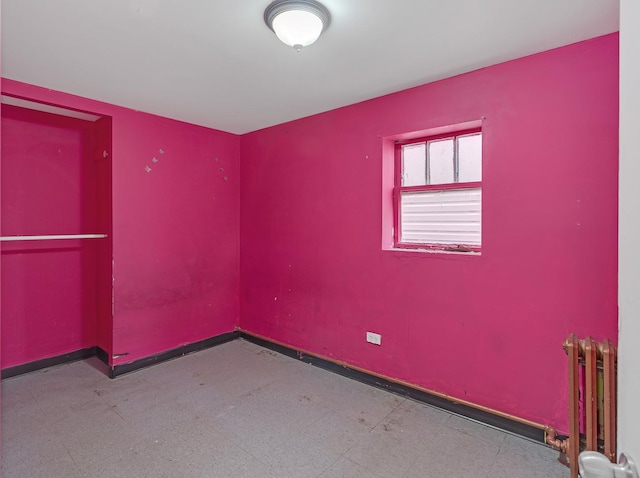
<point x="297" y="23"/>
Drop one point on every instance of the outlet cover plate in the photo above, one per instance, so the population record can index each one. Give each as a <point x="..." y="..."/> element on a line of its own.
<point x="373" y="338"/>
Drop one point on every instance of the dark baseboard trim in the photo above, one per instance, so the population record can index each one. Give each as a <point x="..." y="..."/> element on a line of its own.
<point x="466" y="411"/>
<point x="114" y="371"/>
<point x="102" y="355"/>
<point x="121" y="369"/>
<point x="48" y="362"/>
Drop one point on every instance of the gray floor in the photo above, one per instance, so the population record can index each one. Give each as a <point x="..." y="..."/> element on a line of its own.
<point x="239" y="410"/>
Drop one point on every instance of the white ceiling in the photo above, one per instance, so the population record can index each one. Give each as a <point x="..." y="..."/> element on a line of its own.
<point x="215" y="63"/>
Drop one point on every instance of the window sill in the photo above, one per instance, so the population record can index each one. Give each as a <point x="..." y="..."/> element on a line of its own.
<point x="435" y="253"/>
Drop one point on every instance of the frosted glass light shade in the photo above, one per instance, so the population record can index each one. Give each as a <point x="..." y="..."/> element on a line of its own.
<point x="297" y="23"/>
<point x="297" y="27"/>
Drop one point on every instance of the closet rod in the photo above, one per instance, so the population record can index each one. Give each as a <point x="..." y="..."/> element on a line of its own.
<point x="52" y="237"/>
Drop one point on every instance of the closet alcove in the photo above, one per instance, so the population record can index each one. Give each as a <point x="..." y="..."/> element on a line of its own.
<point x="56" y="247"/>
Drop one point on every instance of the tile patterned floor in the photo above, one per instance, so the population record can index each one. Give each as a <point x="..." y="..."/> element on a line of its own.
<point x="239" y="410"/>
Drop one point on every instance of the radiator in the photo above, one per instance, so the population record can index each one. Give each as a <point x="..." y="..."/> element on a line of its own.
<point x="592" y="400"/>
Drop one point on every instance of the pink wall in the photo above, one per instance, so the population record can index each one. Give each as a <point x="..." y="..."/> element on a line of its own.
<point x="48" y="187"/>
<point x="487" y="329"/>
<point x="175" y="228"/>
<point x="104" y="224"/>
<point x="0" y="215"/>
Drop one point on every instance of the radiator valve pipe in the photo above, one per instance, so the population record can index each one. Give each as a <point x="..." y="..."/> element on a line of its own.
<point x="551" y="438"/>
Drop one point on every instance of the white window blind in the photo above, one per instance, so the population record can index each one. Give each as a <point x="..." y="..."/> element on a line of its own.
<point x="442" y="217"/>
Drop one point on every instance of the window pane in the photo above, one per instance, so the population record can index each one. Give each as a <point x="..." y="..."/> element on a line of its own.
<point x="451" y="217"/>
<point x="441" y="161"/>
<point x="470" y="158"/>
<point x="414" y="172"/>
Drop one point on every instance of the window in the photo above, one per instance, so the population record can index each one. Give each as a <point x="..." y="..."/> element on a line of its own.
<point x="438" y="192"/>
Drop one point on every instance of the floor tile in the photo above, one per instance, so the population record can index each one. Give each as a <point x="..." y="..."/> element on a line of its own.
<point x="43" y="457"/>
<point x="345" y="468"/>
<point x="386" y="454"/>
<point x="297" y="458"/>
<point x="339" y="433"/>
<point x="415" y="420"/>
<point x="476" y="430"/>
<point x="452" y="452"/>
<point x="520" y="458"/>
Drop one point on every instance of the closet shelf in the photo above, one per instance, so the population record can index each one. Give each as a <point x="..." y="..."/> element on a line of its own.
<point x="52" y="237"/>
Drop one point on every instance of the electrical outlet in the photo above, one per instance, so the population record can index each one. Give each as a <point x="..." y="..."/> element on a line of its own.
<point x="374" y="338"/>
